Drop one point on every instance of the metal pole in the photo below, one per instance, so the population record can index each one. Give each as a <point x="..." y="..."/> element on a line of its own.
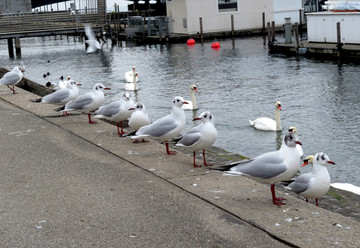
<point x="263" y="22"/>
<point x="339" y="44"/>
<point x="232" y="25"/>
<point x="201" y="29"/>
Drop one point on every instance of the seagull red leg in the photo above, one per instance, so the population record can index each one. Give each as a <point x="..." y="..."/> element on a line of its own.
<point x="316" y="200"/>
<point x="167" y="149"/>
<point x="12" y="89"/>
<point x="90" y="121"/>
<point x="206" y="164"/>
<point x="195" y="165"/>
<point x="276" y="201"/>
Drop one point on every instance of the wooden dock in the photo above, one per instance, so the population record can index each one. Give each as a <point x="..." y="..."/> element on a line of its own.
<point x="316" y="49"/>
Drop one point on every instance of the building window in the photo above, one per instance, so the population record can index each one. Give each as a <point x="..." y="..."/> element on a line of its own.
<point x="227" y="6"/>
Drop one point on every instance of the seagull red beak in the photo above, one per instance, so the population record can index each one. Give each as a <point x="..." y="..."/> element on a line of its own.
<point x="78" y="84"/>
<point x="331" y="162"/>
<point x="107" y="89"/>
<point x="185" y="103"/>
<point x="298" y="142"/>
<point x="197" y="119"/>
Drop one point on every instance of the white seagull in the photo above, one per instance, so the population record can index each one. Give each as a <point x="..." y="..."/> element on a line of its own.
<point x="13" y="77"/>
<point x="270" y="167"/>
<point x="61" y="96"/>
<point x="192" y="103"/>
<point x="315" y="183"/>
<point x="201" y="136"/>
<point x="88" y="102"/>
<point x="131" y="79"/>
<point x="167" y="127"/>
<point x="139" y="118"/>
<point x="298" y="147"/>
<point x="93" y="44"/>
<point x="268" y="124"/>
<point x="117" y="111"/>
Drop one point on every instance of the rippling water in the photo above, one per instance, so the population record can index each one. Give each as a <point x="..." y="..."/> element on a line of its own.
<point x="241" y="81"/>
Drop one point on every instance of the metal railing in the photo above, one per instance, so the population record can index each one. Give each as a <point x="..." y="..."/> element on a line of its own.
<point x="35" y="23"/>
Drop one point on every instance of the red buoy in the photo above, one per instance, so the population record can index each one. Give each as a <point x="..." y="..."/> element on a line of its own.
<point x="215" y="45"/>
<point x="190" y="42"/>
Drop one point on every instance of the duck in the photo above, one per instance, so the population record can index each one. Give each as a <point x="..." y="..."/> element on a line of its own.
<point x="191" y="103"/>
<point x="131" y="79"/>
<point x="268" y="124"/>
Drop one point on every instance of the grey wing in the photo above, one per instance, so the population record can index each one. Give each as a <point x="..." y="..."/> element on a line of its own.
<point x="109" y="110"/>
<point x="267" y="165"/>
<point x="190" y="138"/>
<point x="10" y="77"/>
<point x="158" y="128"/>
<point x="57" y="96"/>
<point x="301" y="183"/>
<point x="79" y="103"/>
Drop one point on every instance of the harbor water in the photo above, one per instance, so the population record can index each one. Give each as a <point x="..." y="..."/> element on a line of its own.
<point x="237" y="83"/>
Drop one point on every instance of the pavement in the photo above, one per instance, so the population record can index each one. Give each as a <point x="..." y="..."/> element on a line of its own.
<point x="66" y="183"/>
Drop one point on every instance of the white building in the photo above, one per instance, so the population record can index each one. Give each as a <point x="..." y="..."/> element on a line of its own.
<point x="216" y="14"/>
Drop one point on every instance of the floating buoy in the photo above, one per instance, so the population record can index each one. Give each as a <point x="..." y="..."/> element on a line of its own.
<point x="215" y="45"/>
<point x="190" y="42"/>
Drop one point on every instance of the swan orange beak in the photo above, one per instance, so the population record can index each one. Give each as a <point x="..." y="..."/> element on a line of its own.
<point x="305" y="163"/>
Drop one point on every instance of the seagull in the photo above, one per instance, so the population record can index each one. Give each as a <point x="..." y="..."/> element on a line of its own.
<point x="139" y="118"/>
<point x="270" y="167"/>
<point x="88" y="102"/>
<point x="166" y="127"/>
<point x="315" y="183"/>
<point x="61" y="96"/>
<point x="62" y="83"/>
<point x="131" y="79"/>
<point x="298" y="147"/>
<point x="13" y="77"/>
<point x="201" y="136"/>
<point x="92" y="44"/>
<point x="268" y="124"/>
<point x="117" y="111"/>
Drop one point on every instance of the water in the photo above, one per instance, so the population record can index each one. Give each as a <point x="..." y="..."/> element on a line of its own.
<point x="241" y="81"/>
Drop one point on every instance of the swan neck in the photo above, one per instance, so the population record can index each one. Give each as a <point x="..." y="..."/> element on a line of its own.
<point x="193" y="99"/>
<point x="277" y="119"/>
<point x="134" y="80"/>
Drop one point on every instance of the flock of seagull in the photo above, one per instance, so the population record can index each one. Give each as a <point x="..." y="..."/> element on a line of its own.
<point x="268" y="168"/>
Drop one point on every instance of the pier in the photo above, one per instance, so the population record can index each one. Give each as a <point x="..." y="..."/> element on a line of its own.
<point x="37" y="24"/>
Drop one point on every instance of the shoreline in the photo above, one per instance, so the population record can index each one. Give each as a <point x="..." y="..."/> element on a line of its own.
<point x="336" y="200"/>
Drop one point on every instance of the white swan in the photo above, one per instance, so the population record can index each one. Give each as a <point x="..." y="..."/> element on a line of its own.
<point x="191" y="104"/>
<point x="268" y="124"/>
<point x="298" y="147"/>
<point x="131" y="79"/>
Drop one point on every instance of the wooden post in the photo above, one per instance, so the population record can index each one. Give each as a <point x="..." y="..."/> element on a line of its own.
<point x="144" y="20"/>
<point x="300" y="19"/>
<point x="11" y="48"/>
<point x="296" y="32"/>
<point x="273" y="31"/>
<point x="17" y="47"/>
<point x="160" y="29"/>
<point x="269" y="33"/>
<point x="263" y="23"/>
<point x="232" y="26"/>
<point x="201" y="29"/>
<point x="339" y="44"/>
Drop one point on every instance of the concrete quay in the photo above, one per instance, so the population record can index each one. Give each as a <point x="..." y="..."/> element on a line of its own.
<point x="66" y="183"/>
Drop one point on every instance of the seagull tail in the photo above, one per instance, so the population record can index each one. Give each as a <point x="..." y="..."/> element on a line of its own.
<point x="60" y="109"/>
<point x="286" y="183"/>
<point x="36" y="100"/>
